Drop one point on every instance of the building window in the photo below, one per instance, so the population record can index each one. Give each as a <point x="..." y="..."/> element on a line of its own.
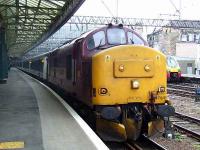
<point x="184" y="37"/>
<point x="187" y="37"/>
<point x="189" y="64"/>
<point x="196" y="37"/>
<point x="191" y="37"/>
<point x="189" y="68"/>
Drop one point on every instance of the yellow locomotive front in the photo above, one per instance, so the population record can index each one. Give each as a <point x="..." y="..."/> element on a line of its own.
<point x="129" y="91"/>
<point x="129" y="74"/>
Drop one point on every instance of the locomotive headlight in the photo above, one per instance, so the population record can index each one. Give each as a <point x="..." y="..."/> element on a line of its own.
<point x="103" y="91"/>
<point x="121" y="68"/>
<point x="135" y="84"/>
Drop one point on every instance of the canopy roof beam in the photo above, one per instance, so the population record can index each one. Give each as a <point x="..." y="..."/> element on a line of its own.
<point x="33" y="21"/>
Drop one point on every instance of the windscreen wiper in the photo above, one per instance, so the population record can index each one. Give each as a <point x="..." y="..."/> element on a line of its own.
<point x="99" y="46"/>
<point x="132" y="41"/>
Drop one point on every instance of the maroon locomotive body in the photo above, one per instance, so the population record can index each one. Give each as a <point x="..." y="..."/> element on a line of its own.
<point x="111" y="70"/>
<point x="70" y="66"/>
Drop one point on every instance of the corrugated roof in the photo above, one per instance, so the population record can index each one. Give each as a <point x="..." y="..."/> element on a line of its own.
<point x="29" y="21"/>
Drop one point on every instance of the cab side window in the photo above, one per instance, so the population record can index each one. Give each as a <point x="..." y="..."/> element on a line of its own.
<point x="134" y="39"/>
<point x="97" y="39"/>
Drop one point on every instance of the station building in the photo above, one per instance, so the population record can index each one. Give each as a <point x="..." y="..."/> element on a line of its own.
<point x="182" y="43"/>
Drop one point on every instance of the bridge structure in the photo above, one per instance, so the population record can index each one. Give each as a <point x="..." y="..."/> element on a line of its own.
<point x="77" y="25"/>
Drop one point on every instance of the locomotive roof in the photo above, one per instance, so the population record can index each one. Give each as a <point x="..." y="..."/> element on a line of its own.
<point x="65" y="44"/>
<point x="84" y="35"/>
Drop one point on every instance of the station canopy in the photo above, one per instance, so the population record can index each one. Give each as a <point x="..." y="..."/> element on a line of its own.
<point x="28" y="23"/>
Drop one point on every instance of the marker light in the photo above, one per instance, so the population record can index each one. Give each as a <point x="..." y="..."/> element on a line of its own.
<point x="135" y="84"/>
<point x="103" y="91"/>
<point x="147" y="68"/>
<point x="121" y="68"/>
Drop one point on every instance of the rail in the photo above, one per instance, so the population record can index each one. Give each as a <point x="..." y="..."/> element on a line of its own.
<point x="145" y="143"/>
<point x="186" y="123"/>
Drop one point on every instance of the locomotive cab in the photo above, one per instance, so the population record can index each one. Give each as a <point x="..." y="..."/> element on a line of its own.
<point x="128" y="83"/>
<point x="119" y="78"/>
<point x="173" y="69"/>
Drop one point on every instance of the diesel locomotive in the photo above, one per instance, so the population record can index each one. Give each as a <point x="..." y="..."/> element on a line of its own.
<point x="113" y="71"/>
<point x="173" y="69"/>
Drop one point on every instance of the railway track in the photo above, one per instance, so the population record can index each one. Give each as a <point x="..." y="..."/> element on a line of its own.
<point x="183" y="86"/>
<point x="186" y="124"/>
<point x="183" y="89"/>
<point x="180" y="92"/>
<point x="145" y="143"/>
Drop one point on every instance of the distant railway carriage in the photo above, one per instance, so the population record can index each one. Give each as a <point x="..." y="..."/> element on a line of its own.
<point x="112" y="71"/>
<point x="173" y="69"/>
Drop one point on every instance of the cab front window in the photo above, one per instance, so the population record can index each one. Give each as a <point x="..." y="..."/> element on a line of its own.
<point x="134" y="39"/>
<point x="116" y="36"/>
<point x="171" y="62"/>
<point x="97" y="39"/>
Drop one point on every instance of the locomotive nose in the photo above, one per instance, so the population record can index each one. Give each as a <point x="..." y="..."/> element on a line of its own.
<point x="129" y="74"/>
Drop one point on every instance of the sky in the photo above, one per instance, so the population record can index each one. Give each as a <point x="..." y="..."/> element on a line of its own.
<point x="190" y="9"/>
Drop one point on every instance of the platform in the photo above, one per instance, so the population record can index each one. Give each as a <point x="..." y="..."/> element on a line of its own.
<point x="190" y="76"/>
<point x="34" y="117"/>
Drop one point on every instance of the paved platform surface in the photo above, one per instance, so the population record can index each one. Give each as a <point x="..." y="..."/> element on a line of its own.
<point x="19" y="113"/>
<point x="33" y="115"/>
<point x="191" y="76"/>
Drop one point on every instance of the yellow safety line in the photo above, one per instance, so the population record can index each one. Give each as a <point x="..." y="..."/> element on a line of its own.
<point x="11" y="145"/>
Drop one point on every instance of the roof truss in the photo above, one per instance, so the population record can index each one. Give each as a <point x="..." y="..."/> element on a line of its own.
<point x="29" y="22"/>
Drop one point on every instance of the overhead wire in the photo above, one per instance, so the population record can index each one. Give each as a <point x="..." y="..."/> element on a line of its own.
<point x="115" y="18"/>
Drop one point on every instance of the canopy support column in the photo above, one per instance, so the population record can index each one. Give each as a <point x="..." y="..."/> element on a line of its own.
<point x="3" y="57"/>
